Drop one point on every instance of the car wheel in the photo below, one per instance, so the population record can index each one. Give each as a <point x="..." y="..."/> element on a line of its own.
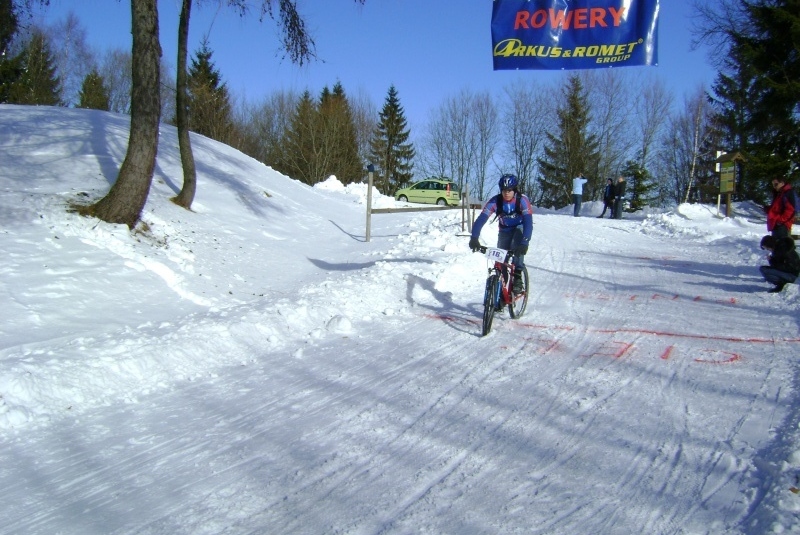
<point x="402" y="198"/>
<point x="441" y="202"/>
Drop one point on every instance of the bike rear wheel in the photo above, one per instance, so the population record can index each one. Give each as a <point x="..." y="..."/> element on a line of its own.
<point x="520" y="301"/>
<point x="490" y="302"/>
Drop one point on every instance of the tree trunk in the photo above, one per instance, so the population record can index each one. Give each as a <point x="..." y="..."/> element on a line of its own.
<point x="126" y="199"/>
<point x="186" y="196"/>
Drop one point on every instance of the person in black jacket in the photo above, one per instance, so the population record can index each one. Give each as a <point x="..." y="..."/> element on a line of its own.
<point x="619" y="197"/>
<point x="608" y="199"/>
<point x="784" y="262"/>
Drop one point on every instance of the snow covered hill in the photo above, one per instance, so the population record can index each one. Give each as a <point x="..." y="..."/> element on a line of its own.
<point x="256" y="366"/>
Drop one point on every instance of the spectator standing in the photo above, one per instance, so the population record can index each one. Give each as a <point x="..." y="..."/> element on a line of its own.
<point x="608" y="199"/>
<point x="619" y="197"/>
<point x="577" y="193"/>
<point x="780" y="214"/>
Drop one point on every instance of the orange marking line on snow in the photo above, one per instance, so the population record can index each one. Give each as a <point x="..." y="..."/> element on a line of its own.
<point x="551" y="347"/>
<point x="667" y="352"/>
<point x="733" y="358"/>
<point x="625" y="348"/>
<point x="669" y="334"/>
<point x="699" y="336"/>
<point x="739" y="339"/>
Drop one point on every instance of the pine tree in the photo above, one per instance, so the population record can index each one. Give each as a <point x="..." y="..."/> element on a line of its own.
<point x="390" y="150"/>
<point x="340" y="135"/>
<point x="10" y="69"/>
<point x="302" y="143"/>
<point x="571" y="150"/>
<point x="8" y="26"/>
<point x="769" y="44"/>
<point x="38" y="83"/>
<point x="641" y="188"/>
<point x="732" y="94"/>
<point x="94" y="95"/>
<point x="210" y="110"/>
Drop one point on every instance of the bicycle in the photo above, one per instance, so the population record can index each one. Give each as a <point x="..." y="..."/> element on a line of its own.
<point x="499" y="287"/>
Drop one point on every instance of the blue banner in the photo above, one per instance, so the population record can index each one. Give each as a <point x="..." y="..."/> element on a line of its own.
<point x="574" y="34"/>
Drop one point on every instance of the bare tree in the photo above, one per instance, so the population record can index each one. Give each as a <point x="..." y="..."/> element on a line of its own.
<point x="486" y="127"/>
<point x="526" y="114"/>
<point x="433" y="148"/>
<point x="685" y="146"/>
<point x="456" y="115"/>
<point x="73" y="57"/>
<point x="610" y="95"/>
<point x="652" y="112"/>
<point x="365" y="113"/>
<point x="698" y="110"/>
<point x="715" y="23"/>
<point x="263" y="126"/>
<point x="115" y="68"/>
<point x="460" y="140"/>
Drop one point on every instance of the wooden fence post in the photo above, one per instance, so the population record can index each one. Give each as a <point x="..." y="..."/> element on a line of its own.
<point x="371" y="169"/>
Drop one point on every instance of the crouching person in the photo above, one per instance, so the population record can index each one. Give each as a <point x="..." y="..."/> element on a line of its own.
<point x="784" y="262"/>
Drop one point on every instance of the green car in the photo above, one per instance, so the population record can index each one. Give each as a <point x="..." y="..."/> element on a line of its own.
<point x="431" y="191"/>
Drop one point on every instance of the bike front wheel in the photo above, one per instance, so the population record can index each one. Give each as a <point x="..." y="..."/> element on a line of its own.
<point x="490" y="302"/>
<point x="520" y="301"/>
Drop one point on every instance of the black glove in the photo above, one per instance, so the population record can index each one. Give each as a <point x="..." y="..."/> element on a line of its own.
<point x="474" y="244"/>
<point x="521" y="250"/>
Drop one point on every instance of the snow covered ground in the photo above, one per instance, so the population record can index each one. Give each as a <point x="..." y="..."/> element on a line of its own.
<point x="257" y="366"/>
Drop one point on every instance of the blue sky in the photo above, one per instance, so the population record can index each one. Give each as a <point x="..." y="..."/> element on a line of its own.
<point x="429" y="49"/>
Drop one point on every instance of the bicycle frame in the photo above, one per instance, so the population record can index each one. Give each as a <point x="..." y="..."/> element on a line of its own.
<point x="499" y="286"/>
<point x="504" y="268"/>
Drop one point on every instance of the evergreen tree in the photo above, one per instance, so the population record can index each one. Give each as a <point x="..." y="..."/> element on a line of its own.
<point x="210" y="110"/>
<point x="733" y="93"/>
<point x="302" y="140"/>
<point x="94" y="95"/>
<point x="38" y="83"/>
<point x="340" y="136"/>
<point x="10" y="69"/>
<point x="571" y="150"/>
<point x="320" y="140"/>
<point x="8" y="26"/>
<point x="390" y="150"/>
<point x="640" y="188"/>
<point x="769" y="44"/>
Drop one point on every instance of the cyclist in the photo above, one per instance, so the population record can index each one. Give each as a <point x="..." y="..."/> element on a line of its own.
<point x="514" y="212"/>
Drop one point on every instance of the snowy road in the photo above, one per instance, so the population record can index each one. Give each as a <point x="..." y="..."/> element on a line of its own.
<point x="629" y="398"/>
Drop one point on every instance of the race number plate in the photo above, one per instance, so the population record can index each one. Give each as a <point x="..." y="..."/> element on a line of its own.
<point x="496" y="255"/>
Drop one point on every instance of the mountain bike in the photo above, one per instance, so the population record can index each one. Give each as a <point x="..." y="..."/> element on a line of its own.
<point x="499" y="291"/>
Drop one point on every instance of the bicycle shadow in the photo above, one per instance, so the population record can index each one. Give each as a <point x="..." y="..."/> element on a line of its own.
<point x="466" y="319"/>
